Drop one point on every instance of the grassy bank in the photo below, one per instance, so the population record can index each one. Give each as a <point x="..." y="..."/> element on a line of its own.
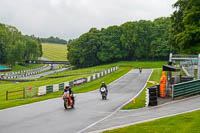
<point x="184" y="123"/>
<point x="143" y="64"/>
<point x="42" y="82"/>
<point x="55" y="52"/>
<point x="140" y="100"/>
<point x="68" y="76"/>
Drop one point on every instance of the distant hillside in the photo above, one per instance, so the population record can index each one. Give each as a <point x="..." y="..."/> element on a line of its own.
<point x="55" y="52"/>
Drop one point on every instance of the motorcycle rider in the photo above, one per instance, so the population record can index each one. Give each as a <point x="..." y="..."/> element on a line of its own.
<point x="104" y="85"/>
<point x="68" y="88"/>
<point x="140" y="69"/>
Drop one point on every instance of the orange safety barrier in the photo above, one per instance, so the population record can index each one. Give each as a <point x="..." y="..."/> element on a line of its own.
<point x="163" y="81"/>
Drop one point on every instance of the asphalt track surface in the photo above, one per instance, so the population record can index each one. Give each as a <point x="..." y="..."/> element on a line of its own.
<point x="50" y="116"/>
<point x="125" y="118"/>
<point x="44" y="73"/>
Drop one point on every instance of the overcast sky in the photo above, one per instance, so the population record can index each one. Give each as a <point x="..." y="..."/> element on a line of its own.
<point x="71" y="18"/>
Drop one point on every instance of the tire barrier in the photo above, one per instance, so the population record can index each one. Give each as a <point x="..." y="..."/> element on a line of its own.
<point x="151" y="96"/>
<point x="56" y="87"/>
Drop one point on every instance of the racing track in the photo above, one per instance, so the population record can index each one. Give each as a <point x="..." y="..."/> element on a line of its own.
<point x="50" y="116"/>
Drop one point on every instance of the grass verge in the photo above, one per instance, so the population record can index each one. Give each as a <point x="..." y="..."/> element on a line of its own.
<point x="140" y="100"/>
<point x="77" y="89"/>
<point x="4" y="86"/>
<point x="183" y="123"/>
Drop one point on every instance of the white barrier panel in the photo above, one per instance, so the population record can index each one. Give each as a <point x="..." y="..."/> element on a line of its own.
<point x="117" y="67"/>
<point x="108" y="70"/>
<point x="98" y="75"/>
<point x="42" y="90"/>
<point x="94" y="77"/>
<point x="55" y="87"/>
<point x="113" y="68"/>
<point x="66" y="84"/>
<point x="102" y="74"/>
<point x="88" y="79"/>
<point x="105" y="72"/>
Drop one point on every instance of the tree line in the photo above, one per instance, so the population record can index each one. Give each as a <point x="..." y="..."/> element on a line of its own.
<point x="51" y="39"/>
<point x="16" y="48"/>
<point x="137" y="40"/>
<point x="141" y="40"/>
<point x="185" y="27"/>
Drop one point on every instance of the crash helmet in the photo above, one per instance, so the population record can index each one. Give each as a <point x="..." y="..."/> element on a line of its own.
<point x="67" y="88"/>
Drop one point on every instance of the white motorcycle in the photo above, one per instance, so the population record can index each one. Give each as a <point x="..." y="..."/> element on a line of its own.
<point x="103" y="93"/>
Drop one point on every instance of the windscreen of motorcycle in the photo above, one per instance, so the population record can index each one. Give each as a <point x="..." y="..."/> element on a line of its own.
<point x="65" y="93"/>
<point x="103" y="89"/>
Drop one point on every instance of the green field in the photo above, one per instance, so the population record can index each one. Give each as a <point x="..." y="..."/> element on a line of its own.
<point x="54" y="52"/>
<point x="140" y="100"/>
<point x="50" y="81"/>
<point x="183" y="123"/>
<point x="143" y="64"/>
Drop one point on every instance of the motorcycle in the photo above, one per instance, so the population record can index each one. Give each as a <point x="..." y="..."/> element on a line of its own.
<point x="103" y="93"/>
<point x="68" y="102"/>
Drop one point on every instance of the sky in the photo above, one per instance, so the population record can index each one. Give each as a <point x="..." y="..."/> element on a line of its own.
<point x="68" y="19"/>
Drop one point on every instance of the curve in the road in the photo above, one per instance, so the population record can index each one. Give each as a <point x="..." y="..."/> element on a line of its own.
<point x="50" y="116"/>
<point x="127" y="118"/>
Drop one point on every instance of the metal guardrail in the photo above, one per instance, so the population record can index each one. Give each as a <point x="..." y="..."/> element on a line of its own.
<point x="186" y="89"/>
<point x="184" y="56"/>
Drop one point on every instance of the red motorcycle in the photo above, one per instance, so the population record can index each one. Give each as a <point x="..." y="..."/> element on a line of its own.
<point x="68" y="102"/>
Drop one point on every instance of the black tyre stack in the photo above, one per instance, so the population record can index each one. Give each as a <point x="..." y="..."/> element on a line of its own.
<point x="152" y="96"/>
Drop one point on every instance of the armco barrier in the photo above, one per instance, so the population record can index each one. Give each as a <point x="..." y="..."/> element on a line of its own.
<point x="186" y="89"/>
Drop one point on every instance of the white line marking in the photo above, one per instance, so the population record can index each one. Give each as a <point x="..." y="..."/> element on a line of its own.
<point x="46" y="100"/>
<point x="133" y="123"/>
<point x="118" y="107"/>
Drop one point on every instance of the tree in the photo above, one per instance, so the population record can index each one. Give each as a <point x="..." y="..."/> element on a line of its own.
<point x="110" y="49"/>
<point x="185" y="28"/>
